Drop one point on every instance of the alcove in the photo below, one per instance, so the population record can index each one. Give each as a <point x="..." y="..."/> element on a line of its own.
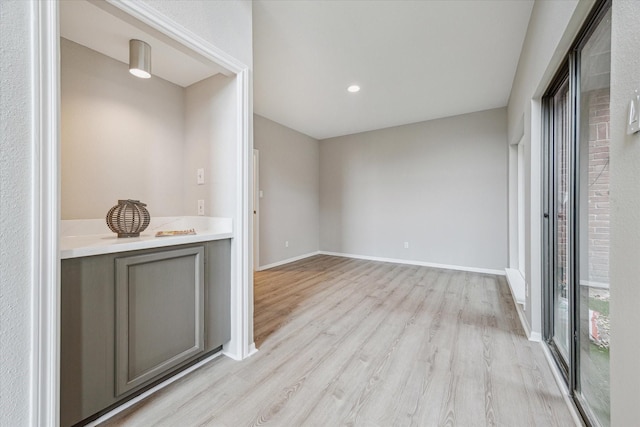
<point x="125" y="137"/>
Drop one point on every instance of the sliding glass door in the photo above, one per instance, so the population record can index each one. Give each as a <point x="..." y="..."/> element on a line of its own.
<point x="593" y="222"/>
<point x="576" y="111"/>
<point x="560" y="114"/>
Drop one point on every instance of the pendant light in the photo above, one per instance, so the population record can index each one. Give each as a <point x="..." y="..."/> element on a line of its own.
<point x="139" y="59"/>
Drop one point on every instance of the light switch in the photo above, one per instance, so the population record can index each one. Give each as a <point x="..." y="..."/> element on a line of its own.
<point x="200" y="207"/>
<point x="260" y="194"/>
<point x="200" y="179"/>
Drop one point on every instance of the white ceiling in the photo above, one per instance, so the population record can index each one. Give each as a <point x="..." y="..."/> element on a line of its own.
<point x="415" y="60"/>
<point x="105" y="29"/>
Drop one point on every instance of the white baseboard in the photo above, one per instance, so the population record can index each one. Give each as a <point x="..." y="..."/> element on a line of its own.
<point x="520" y="309"/>
<point x="523" y="320"/>
<point x="287" y="261"/>
<point x="420" y="263"/>
<point x="252" y="349"/>
<point x="531" y="335"/>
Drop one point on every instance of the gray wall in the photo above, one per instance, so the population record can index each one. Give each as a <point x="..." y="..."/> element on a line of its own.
<point x="152" y="137"/>
<point x="210" y="143"/>
<point x="439" y="185"/>
<point x="289" y="178"/>
<point x="122" y="137"/>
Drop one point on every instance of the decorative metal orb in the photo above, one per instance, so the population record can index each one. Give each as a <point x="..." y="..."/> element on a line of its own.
<point x="128" y="218"/>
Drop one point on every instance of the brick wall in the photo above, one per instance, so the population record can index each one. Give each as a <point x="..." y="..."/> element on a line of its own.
<point x="598" y="190"/>
<point x="562" y="172"/>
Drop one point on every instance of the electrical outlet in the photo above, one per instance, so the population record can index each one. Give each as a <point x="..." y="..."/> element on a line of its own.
<point x="200" y="207"/>
<point x="406" y="245"/>
<point x="286" y="244"/>
<point x="200" y="176"/>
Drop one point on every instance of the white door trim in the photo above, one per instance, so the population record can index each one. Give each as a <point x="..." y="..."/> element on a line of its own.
<point x="45" y="341"/>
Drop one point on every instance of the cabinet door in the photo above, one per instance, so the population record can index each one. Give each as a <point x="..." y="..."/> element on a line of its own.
<point x="159" y="313"/>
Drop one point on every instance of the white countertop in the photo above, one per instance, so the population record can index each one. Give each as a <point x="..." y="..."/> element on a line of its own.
<point x="87" y="237"/>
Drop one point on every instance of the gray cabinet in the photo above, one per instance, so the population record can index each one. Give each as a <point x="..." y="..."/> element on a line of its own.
<point x="159" y="313"/>
<point x="132" y="318"/>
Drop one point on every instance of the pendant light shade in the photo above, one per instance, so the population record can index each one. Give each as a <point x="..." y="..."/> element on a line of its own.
<point x="139" y="59"/>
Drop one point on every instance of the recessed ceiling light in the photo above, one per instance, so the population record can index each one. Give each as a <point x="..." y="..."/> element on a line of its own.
<point x="353" y="88"/>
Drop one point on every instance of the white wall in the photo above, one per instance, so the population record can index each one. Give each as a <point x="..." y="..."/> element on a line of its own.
<point x="513" y="206"/>
<point x="226" y="24"/>
<point x="551" y="30"/>
<point x="625" y="218"/>
<point x="16" y="208"/>
<point x="439" y="185"/>
<point x="210" y="143"/>
<point x="20" y="145"/>
<point x="290" y="181"/>
<point x="122" y="137"/>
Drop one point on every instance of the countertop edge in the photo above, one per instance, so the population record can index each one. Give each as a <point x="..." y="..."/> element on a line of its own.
<point x="135" y="243"/>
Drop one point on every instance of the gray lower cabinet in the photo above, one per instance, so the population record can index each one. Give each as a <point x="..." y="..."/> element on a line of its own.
<point x="131" y="318"/>
<point x="159" y="313"/>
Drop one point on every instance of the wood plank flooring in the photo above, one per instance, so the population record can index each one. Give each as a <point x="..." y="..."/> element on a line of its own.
<point x="362" y="343"/>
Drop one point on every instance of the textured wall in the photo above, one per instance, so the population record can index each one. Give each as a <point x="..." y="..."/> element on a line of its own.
<point x="625" y="218"/>
<point x="289" y="178"/>
<point x="439" y="185"/>
<point x="16" y="175"/>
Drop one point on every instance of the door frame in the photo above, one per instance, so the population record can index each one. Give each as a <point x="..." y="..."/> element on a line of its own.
<point x="45" y="309"/>
<point x="563" y="76"/>
<point x="256" y="209"/>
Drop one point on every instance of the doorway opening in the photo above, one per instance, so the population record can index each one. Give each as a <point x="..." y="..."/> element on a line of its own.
<point x="256" y="210"/>
<point x="46" y="53"/>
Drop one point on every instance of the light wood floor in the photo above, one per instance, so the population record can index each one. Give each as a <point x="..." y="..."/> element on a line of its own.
<point x="362" y="343"/>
